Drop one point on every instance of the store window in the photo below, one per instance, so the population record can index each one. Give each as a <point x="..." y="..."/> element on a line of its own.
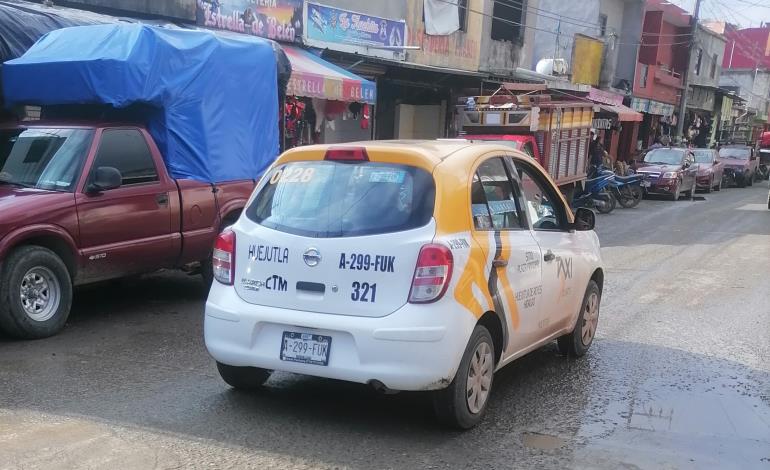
<point x="463" y="12"/>
<point x="698" y="61"/>
<point x="508" y="20"/>
<point x="602" y="25"/>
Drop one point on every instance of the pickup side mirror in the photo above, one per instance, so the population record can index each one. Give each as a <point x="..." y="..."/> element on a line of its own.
<point x="716" y="162"/>
<point x="585" y="220"/>
<point x="105" y="178"/>
<point x="686" y="164"/>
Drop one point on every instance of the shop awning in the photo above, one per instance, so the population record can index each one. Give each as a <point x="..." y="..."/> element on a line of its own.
<point x="624" y="113"/>
<point x="313" y="77"/>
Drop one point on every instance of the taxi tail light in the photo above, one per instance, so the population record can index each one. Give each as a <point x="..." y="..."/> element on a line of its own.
<point x="223" y="258"/>
<point x="431" y="275"/>
<point x="347" y="154"/>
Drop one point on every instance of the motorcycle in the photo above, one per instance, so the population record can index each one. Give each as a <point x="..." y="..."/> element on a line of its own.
<point x="596" y="194"/>
<point x="627" y="190"/>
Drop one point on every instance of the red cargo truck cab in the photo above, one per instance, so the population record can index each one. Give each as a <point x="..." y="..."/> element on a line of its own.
<point x="87" y="203"/>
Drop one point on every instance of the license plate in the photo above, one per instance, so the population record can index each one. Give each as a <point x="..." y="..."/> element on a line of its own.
<point x="306" y="348"/>
<point x="646" y="184"/>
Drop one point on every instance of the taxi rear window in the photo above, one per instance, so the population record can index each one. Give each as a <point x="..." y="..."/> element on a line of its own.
<point x="332" y="199"/>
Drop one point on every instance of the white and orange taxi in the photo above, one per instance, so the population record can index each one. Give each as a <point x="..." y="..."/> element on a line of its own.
<point x="404" y="265"/>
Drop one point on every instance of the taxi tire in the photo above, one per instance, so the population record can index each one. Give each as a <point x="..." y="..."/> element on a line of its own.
<point x="571" y="344"/>
<point x="243" y="378"/>
<point x="450" y="405"/>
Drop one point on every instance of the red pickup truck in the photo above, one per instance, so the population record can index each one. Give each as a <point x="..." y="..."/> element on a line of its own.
<point x="87" y="203"/>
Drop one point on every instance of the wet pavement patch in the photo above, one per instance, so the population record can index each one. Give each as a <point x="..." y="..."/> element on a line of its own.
<point x="536" y="440"/>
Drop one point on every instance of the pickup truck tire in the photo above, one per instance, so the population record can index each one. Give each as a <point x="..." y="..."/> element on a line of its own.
<point x="740" y="180"/>
<point x="35" y="293"/>
<point x="243" y="378"/>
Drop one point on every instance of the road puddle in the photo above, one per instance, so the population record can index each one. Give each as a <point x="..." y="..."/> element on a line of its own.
<point x="542" y="441"/>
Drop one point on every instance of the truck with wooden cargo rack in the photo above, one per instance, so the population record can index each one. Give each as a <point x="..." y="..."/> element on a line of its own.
<point x="554" y="132"/>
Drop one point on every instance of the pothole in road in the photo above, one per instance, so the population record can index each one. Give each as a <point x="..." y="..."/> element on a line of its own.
<point x="542" y="441"/>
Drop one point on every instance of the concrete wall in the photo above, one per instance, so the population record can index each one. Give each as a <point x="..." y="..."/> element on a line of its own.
<point x="614" y="10"/>
<point x="712" y="45"/>
<point x="755" y="91"/>
<point x="459" y="50"/>
<point x="630" y="35"/>
<point x="500" y="57"/>
<point x="548" y="45"/>
<point x="179" y="9"/>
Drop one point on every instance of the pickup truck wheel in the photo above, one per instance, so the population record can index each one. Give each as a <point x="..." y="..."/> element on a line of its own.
<point x="243" y="378"/>
<point x="740" y="180"/>
<point x="35" y="293"/>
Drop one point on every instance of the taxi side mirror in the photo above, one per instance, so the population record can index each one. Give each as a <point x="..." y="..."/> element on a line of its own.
<point x="585" y="220"/>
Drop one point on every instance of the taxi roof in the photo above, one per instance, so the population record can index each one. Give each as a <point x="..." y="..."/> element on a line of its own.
<point x="425" y="153"/>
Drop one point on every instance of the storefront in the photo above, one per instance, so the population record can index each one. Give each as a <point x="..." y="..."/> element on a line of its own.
<point x="616" y="124"/>
<point x="325" y="103"/>
<point x="658" y="121"/>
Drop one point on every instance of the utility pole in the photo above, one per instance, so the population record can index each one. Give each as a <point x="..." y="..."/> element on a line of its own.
<point x="686" y="75"/>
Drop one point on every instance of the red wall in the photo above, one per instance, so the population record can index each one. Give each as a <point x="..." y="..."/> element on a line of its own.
<point x="750" y="48"/>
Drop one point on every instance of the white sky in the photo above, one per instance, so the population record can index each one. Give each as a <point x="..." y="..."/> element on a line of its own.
<point x="746" y="13"/>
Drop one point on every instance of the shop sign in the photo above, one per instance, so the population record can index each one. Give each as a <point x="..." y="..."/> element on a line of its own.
<point x="603" y="124"/>
<point x="356" y="32"/>
<point x="280" y="20"/>
<point x="643" y="105"/>
<point x="605" y="97"/>
<point x="331" y="88"/>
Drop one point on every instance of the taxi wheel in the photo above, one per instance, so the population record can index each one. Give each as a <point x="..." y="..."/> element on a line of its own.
<point x="243" y="378"/>
<point x="576" y="343"/>
<point x="463" y="403"/>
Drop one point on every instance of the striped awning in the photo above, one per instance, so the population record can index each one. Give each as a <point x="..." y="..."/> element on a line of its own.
<point x="313" y="77"/>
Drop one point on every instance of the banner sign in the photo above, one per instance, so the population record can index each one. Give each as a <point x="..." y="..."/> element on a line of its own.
<point x="280" y="20"/>
<point x="329" y="25"/>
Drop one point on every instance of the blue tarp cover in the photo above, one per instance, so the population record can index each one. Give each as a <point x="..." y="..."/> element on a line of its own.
<point x="215" y="98"/>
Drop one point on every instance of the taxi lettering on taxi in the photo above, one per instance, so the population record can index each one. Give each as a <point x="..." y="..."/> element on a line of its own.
<point x="407" y="266"/>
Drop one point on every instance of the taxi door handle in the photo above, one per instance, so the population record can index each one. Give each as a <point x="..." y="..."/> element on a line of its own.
<point x="549" y="256"/>
<point x="499" y="263"/>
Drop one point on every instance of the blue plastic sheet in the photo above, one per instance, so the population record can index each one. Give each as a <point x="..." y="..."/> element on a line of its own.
<point x="214" y="99"/>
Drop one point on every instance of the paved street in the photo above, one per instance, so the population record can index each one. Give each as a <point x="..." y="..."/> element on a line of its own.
<point x="679" y="376"/>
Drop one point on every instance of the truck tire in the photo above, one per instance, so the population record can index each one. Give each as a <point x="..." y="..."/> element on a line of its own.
<point x="35" y="293"/>
<point x="740" y="180"/>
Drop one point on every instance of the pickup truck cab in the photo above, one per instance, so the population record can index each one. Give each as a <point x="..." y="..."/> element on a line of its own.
<point x="81" y="204"/>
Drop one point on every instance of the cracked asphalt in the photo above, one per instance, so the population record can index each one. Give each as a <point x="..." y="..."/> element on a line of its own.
<point x="679" y="376"/>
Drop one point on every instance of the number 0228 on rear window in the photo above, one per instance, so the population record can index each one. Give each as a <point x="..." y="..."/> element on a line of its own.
<point x="306" y="348"/>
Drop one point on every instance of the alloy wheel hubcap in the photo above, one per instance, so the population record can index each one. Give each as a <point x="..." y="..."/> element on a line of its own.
<point x="479" y="381"/>
<point x="590" y="319"/>
<point x="40" y="293"/>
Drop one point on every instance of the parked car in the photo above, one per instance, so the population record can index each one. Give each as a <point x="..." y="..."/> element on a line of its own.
<point x="710" y="169"/>
<point x="83" y="204"/>
<point x="740" y="164"/>
<point x="407" y="266"/>
<point x="670" y="171"/>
